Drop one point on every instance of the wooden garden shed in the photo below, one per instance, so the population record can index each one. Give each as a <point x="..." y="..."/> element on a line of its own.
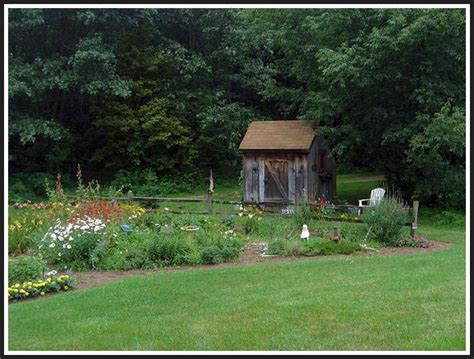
<point x="286" y="162"/>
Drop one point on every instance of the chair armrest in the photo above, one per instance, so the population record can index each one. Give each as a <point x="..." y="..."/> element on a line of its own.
<point x="362" y="200"/>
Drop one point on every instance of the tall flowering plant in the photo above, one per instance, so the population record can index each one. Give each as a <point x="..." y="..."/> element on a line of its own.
<point x="73" y="241"/>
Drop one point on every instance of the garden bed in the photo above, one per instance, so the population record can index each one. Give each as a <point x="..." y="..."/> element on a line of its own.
<point x="90" y="279"/>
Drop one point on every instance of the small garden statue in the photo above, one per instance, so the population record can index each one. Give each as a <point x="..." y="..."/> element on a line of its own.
<point x="304" y="233"/>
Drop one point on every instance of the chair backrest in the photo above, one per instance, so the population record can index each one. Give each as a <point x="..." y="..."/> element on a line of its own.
<point x="376" y="196"/>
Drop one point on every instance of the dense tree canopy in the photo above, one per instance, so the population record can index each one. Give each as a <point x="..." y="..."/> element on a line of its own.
<point x="173" y="91"/>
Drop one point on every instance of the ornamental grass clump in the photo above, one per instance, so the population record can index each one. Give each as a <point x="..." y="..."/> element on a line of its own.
<point x="385" y="220"/>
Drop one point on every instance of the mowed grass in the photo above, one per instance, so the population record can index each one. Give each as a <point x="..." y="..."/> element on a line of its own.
<point x="397" y="302"/>
<point x="400" y="302"/>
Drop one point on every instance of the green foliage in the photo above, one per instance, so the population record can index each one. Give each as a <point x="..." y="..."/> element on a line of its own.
<point x="312" y="247"/>
<point x="23" y="186"/>
<point x="250" y="225"/>
<point x="438" y="155"/>
<point x="211" y="255"/>
<point x="173" y="90"/>
<point x="25" y="268"/>
<point x="228" y="221"/>
<point x="385" y="221"/>
<point x="303" y="214"/>
<point x="170" y="250"/>
<point x="450" y="218"/>
<point x="417" y="242"/>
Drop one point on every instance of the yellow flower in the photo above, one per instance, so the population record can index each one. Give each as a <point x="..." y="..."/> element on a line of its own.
<point x="17" y="285"/>
<point x="66" y="287"/>
<point x="22" y="291"/>
<point x="42" y="293"/>
<point x="16" y="290"/>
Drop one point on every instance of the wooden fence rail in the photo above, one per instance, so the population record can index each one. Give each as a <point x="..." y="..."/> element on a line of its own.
<point x="413" y="211"/>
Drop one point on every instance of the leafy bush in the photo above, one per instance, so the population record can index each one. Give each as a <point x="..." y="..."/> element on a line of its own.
<point x="26" y="268"/>
<point x="303" y="214"/>
<point x="320" y="246"/>
<point x="211" y="255"/>
<point x="385" y="221"/>
<point x="276" y="246"/>
<point x="450" y="218"/>
<point x="228" y="221"/>
<point x="28" y="186"/>
<point x="417" y="242"/>
<point x="314" y="246"/>
<point x="170" y="249"/>
<point x="148" y="183"/>
<point x="126" y="255"/>
<point x="74" y="245"/>
<point x="250" y="224"/>
<point x="230" y="253"/>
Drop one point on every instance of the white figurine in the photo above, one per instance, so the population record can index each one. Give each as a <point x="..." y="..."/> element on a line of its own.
<point x="304" y="232"/>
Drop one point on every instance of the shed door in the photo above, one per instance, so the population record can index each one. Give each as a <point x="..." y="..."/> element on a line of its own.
<point x="276" y="180"/>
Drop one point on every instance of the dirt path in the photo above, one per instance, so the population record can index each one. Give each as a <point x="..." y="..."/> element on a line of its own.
<point x="251" y="255"/>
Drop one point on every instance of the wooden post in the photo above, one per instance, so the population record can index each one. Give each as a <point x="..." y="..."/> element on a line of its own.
<point x="209" y="193"/>
<point x="414" y="224"/>
<point x="129" y="196"/>
<point x="337" y="234"/>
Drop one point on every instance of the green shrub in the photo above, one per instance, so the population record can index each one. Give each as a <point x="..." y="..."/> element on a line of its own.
<point x="314" y="246"/>
<point x="385" y="220"/>
<point x="276" y="246"/>
<point x="303" y="214"/>
<point x="230" y="253"/>
<point x="322" y="246"/>
<point x="450" y="218"/>
<point x="228" y="221"/>
<point x="26" y="268"/>
<point x="127" y="255"/>
<point x="170" y="249"/>
<point x="250" y="224"/>
<point x="211" y="255"/>
<point x="417" y="242"/>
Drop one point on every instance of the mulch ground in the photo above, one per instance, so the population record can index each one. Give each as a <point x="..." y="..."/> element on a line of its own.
<point x="251" y="255"/>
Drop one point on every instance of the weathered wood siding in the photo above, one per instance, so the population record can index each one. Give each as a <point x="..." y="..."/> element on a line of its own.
<point x="300" y="171"/>
<point x="251" y="178"/>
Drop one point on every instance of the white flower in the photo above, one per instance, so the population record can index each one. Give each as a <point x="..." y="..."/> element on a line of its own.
<point x="59" y="254"/>
<point x="53" y="236"/>
<point x="52" y="245"/>
<point x="69" y="246"/>
<point x="64" y="245"/>
<point x="53" y="272"/>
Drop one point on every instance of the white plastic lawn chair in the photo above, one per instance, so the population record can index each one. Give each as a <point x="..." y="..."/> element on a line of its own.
<point x="376" y="196"/>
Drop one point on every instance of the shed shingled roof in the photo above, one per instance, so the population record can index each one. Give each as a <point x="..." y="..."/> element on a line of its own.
<point x="278" y="135"/>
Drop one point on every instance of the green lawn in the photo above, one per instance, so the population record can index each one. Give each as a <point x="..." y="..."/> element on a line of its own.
<point x="403" y="302"/>
<point x="398" y="302"/>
